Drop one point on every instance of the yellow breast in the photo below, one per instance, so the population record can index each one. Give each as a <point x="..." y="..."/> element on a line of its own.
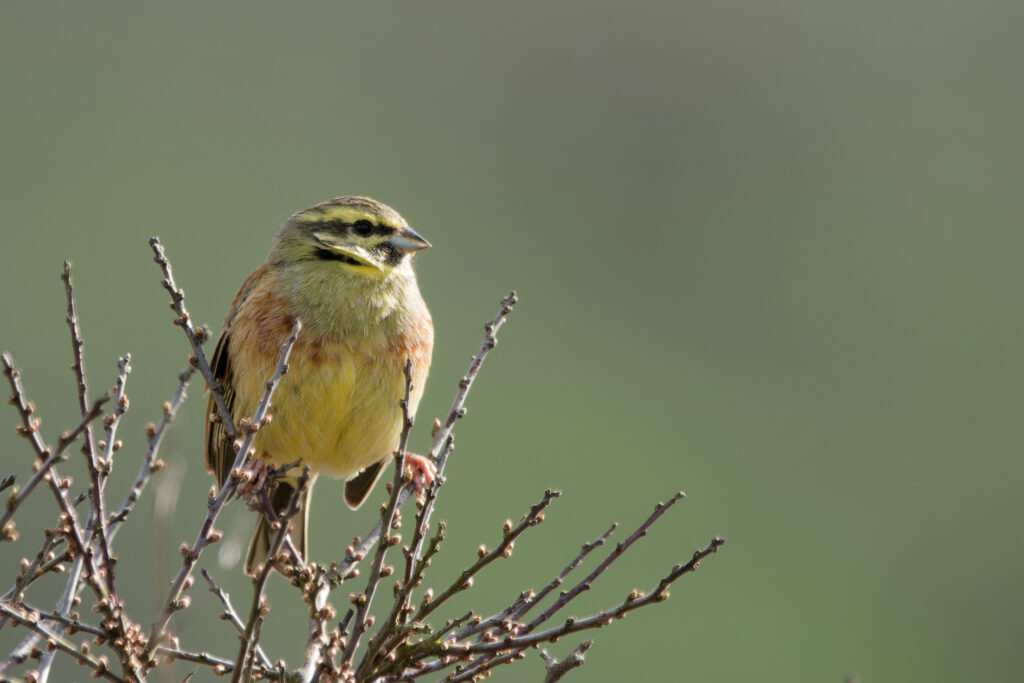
<point x="337" y="408"/>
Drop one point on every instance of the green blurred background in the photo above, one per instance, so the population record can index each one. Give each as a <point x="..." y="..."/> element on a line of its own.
<point x="768" y="252"/>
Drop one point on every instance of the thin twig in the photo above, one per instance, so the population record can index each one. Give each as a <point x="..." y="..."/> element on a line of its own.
<point x="485" y="661"/>
<point x="105" y="463"/>
<point x="196" y="336"/>
<point x="29" y="429"/>
<point x="266" y="508"/>
<point x="110" y="444"/>
<point x="207" y="534"/>
<point x="44" y="562"/>
<point x="46" y="469"/>
<point x="318" y="651"/>
<point x="20" y="653"/>
<point x="96" y="476"/>
<point x="495" y="650"/>
<point x="150" y="464"/>
<point x="32" y="621"/>
<point x="251" y="635"/>
<point x="102" y="582"/>
<point x="244" y="673"/>
<point x="556" y="669"/>
<point x="527" y="601"/>
<point x="413" y="553"/>
<point x="99" y="469"/>
<point x="364" y="600"/>
<point x="635" y="600"/>
<point x="465" y="580"/>
<point x="583" y="585"/>
<point x="31" y="571"/>
<point x="222" y="665"/>
<point x="73" y="625"/>
<point x="441" y="445"/>
<point x="231" y="615"/>
<point x="509" y="646"/>
<point x="557" y="581"/>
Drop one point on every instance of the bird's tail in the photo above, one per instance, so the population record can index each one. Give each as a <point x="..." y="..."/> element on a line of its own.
<point x="262" y="537"/>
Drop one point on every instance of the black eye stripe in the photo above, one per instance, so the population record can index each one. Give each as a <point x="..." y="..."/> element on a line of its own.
<point x="363" y="227"/>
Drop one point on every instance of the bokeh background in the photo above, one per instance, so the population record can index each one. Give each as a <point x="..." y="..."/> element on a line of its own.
<point x="768" y="252"/>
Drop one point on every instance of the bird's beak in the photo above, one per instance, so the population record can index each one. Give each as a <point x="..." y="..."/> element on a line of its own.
<point x="407" y="240"/>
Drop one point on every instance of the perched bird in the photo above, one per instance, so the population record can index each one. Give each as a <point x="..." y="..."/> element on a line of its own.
<point x="344" y="268"/>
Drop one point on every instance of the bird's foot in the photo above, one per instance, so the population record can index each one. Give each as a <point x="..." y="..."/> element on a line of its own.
<point x="423" y="471"/>
<point x="253" y="479"/>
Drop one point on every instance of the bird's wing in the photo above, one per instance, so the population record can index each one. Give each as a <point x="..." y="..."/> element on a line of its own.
<point x="358" y="487"/>
<point x="220" y="455"/>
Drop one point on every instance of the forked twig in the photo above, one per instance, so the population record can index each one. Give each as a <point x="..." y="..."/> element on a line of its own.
<point x="46" y="468"/>
<point x="231" y="615"/>
<point x="33" y="621"/>
<point x="388" y="514"/>
<point x="195" y="336"/>
<point x="150" y="464"/>
<point x="251" y="635"/>
<point x="97" y="516"/>
<point x="441" y="445"/>
<point x="207" y="534"/>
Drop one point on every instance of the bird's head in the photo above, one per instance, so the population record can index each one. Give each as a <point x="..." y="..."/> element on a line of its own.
<point x="361" y="235"/>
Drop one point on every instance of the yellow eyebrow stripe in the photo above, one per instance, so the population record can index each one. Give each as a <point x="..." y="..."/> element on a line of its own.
<point x="343" y="214"/>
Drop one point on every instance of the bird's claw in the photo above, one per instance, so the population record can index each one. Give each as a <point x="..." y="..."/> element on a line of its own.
<point x="423" y="471"/>
<point x="254" y="478"/>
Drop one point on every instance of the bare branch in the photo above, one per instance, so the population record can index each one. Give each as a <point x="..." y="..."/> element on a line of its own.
<point x="219" y="663"/>
<point x="98" y="515"/>
<point x="403" y="646"/>
<point x="534" y="517"/>
<point x="32" y="621"/>
<point x="74" y="625"/>
<point x="105" y="463"/>
<point x="441" y="445"/>
<point x="251" y="636"/>
<point x="231" y="615"/>
<point x="150" y="463"/>
<point x="509" y="647"/>
<point x="319" y="645"/>
<point x="30" y="430"/>
<point x="583" y="585"/>
<point x="464" y="581"/>
<point x="110" y="444"/>
<point x="457" y="409"/>
<point x="46" y="468"/>
<point x="388" y="515"/>
<point x="31" y="571"/>
<point x="528" y="600"/>
<point x="196" y="336"/>
<point x="633" y="601"/>
<point x="556" y="669"/>
<point x="206" y="536"/>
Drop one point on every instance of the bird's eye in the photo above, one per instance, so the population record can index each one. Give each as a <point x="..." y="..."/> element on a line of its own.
<point x="363" y="228"/>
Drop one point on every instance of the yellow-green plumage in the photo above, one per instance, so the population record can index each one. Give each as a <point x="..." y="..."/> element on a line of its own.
<point x="337" y="407"/>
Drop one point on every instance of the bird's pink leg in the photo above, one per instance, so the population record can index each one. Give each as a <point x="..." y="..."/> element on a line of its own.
<point x="423" y="471"/>
<point x="254" y="478"/>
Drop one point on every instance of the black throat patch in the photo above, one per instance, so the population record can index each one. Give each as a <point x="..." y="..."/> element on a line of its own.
<point x="328" y="255"/>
